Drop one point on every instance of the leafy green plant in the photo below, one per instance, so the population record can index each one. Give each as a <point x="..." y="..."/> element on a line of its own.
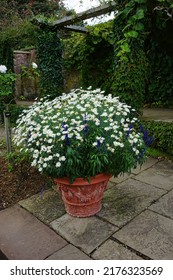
<point x="19" y="160"/>
<point x="30" y="72"/>
<point x="6" y="83"/>
<point x="16" y="111"/>
<point x="6" y="88"/>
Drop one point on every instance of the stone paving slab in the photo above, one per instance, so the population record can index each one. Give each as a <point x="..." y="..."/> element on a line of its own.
<point x="69" y="252"/>
<point x="23" y="237"/>
<point x="120" y="178"/>
<point x="157" y="176"/>
<point x="165" y="165"/>
<point x="124" y="201"/>
<point x="111" y="250"/>
<point x="147" y="164"/>
<point x="46" y="208"/>
<point x="85" y="233"/>
<point x="164" y="205"/>
<point x="149" y="233"/>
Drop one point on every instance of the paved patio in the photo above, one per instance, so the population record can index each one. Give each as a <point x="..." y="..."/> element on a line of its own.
<point x="135" y="222"/>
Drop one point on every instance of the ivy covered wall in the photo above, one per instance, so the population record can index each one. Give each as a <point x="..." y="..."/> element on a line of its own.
<point x="143" y="67"/>
<point x="49" y="56"/>
<point x="131" y="56"/>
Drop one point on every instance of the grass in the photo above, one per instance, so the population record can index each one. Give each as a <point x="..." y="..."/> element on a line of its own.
<point x="155" y="153"/>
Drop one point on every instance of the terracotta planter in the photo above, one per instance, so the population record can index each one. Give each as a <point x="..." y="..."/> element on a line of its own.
<point x="83" y="199"/>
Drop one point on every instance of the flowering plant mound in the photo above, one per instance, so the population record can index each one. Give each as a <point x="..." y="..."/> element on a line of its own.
<point x="81" y="134"/>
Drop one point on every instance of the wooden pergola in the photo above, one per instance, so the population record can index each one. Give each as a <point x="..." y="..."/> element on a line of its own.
<point x="67" y="22"/>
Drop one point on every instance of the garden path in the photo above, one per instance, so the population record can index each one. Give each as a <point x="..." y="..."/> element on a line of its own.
<point x="158" y="114"/>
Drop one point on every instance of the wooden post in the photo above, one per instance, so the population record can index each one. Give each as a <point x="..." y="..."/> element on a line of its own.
<point x="7" y="130"/>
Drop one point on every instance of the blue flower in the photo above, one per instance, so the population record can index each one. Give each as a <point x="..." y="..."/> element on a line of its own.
<point x="86" y="124"/>
<point x="65" y="127"/>
<point x="147" y="140"/>
<point x="98" y="144"/>
<point x="128" y="132"/>
<point x="67" y="140"/>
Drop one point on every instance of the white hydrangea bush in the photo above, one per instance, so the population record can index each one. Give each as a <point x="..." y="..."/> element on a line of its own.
<point x="3" y="69"/>
<point x="80" y="134"/>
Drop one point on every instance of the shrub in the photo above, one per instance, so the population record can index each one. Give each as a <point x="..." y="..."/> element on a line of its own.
<point x="162" y="135"/>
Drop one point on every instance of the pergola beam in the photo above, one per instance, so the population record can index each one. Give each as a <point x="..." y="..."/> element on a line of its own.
<point x="75" y="28"/>
<point x="94" y="12"/>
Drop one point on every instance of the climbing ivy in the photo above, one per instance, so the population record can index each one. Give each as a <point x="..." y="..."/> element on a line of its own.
<point x="49" y="54"/>
<point x="91" y="55"/>
<point x="160" y="81"/>
<point x="130" y="33"/>
<point x="136" y="26"/>
<point x="130" y="61"/>
<point x="159" y="51"/>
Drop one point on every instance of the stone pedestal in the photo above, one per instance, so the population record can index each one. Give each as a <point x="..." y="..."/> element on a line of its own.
<point x="25" y="87"/>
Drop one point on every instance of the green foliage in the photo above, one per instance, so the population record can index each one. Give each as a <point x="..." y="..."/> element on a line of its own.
<point x="155" y="153"/>
<point x="46" y="7"/>
<point x="29" y="8"/>
<point x="162" y="135"/>
<point x="130" y="80"/>
<point x="97" y="66"/>
<point x="6" y="85"/>
<point x="29" y="72"/>
<point x="131" y="64"/>
<point x="129" y="29"/>
<point x="91" y="55"/>
<point x="6" y="91"/>
<point x="139" y="68"/>
<point x="16" y="111"/>
<point x="20" y="161"/>
<point x="16" y="30"/>
<point x="49" y="54"/>
<point x="16" y="37"/>
<point x="160" y="83"/>
<point x="143" y="66"/>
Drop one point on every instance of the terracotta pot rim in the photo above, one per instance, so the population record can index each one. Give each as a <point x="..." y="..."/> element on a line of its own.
<point x="82" y="181"/>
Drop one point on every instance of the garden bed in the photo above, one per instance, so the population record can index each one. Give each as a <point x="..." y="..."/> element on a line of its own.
<point x="15" y="186"/>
